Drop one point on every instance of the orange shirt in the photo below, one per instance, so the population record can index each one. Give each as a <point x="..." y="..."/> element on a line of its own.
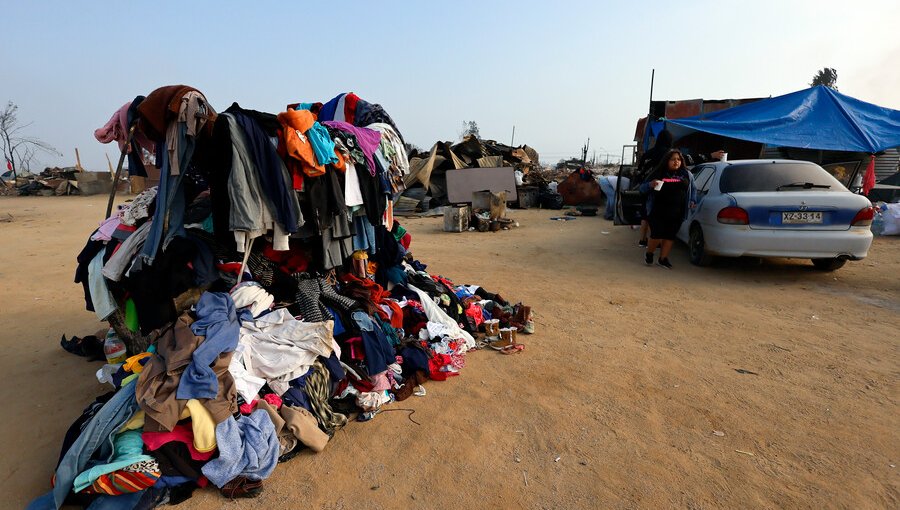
<point x="296" y="123"/>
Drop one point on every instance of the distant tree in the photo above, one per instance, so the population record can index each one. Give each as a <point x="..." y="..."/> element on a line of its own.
<point x="18" y="150"/>
<point x="827" y="76"/>
<point x="412" y="148"/>
<point x="469" y="127"/>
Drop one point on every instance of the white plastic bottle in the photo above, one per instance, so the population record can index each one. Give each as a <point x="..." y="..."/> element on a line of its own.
<point x="114" y="348"/>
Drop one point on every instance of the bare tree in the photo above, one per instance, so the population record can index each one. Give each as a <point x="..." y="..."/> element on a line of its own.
<point x="19" y="150"/>
<point x="827" y="76"/>
<point x="469" y="127"/>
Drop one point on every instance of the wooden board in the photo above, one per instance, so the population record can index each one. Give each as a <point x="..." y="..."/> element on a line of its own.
<point x="463" y="182"/>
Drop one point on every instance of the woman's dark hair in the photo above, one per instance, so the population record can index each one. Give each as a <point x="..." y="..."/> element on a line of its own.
<point x="662" y="168"/>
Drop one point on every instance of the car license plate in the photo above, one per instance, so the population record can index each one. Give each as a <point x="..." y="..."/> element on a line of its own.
<point x="801" y="217"/>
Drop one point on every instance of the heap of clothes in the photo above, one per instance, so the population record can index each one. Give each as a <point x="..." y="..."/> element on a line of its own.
<point x="277" y="294"/>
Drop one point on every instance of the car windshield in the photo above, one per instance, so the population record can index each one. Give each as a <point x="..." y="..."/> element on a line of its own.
<point x="777" y="177"/>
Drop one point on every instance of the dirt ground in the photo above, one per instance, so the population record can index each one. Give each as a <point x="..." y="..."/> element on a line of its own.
<point x="613" y="404"/>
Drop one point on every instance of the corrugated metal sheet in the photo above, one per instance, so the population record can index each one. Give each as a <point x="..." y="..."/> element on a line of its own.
<point x="886" y="164"/>
<point x="770" y="152"/>
<point x="691" y="107"/>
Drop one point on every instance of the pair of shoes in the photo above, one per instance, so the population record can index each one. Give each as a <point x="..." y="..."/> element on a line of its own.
<point x="492" y="329"/>
<point x="512" y="349"/>
<point x="642" y="242"/>
<point x="664" y="263"/>
<point x="241" y="487"/>
<point x="521" y="316"/>
<point x="648" y="259"/>
<point x="506" y="340"/>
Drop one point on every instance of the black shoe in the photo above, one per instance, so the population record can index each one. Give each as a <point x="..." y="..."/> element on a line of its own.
<point x="642" y="242"/>
<point x="664" y="263"/>
<point x="648" y="259"/>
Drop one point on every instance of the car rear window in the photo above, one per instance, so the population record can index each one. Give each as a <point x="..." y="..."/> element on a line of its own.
<point x="777" y="177"/>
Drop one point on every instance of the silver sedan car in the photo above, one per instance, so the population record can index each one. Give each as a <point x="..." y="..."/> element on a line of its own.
<point x="776" y="208"/>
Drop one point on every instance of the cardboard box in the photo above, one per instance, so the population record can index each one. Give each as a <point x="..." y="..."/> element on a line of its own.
<point x="93" y="183"/>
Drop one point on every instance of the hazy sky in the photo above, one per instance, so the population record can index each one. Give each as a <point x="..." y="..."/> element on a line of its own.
<point x="559" y="71"/>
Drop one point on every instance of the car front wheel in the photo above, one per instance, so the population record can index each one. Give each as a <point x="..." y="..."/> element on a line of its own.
<point x="829" y="264"/>
<point x="697" y="248"/>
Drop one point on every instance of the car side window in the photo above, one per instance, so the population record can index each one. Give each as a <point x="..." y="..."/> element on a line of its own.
<point x="703" y="178"/>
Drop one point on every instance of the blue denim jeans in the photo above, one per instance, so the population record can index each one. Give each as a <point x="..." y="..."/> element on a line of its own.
<point x="97" y="436"/>
<point x="610" y="193"/>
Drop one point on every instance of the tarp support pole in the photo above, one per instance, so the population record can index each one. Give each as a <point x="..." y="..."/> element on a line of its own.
<point x="115" y="185"/>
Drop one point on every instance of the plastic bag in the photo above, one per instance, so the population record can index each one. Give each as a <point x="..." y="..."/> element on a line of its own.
<point x="891" y="218"/>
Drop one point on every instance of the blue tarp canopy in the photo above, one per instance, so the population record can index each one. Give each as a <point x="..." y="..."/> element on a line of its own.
<point x="814" y="118"/>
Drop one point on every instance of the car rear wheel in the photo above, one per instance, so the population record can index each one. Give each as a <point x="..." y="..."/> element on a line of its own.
<point x="697" y="248"/>
<point x="829" y="264"/>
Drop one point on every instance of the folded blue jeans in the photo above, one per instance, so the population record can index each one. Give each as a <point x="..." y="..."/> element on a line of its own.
<point x="97" y="436"/>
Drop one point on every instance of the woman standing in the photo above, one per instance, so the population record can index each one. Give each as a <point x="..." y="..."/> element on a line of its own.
<point x="649" y="162"/>
<point x="671" y="193"/>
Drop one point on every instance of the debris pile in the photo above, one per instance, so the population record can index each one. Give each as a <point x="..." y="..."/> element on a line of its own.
<point x="57" y="181"/>
<point x="427" y="183"/>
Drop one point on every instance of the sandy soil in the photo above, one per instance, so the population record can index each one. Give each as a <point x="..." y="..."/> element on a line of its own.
<point x="612" y="405"/>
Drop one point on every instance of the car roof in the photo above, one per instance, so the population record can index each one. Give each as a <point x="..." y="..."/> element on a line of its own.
<point x="746" y="162"/>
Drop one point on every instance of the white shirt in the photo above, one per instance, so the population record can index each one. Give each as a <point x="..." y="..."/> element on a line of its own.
<point x="279" y="348"/>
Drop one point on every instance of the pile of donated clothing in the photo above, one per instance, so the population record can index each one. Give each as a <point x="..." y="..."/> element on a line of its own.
<point x="276" y="294"/>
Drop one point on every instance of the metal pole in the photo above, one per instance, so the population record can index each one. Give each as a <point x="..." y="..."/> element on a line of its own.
<point x="587" y="146"/>
<point x="112" y="192"/>
<point x="512" y="142"/>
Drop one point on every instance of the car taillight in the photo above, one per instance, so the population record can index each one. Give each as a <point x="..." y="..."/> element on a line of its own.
<point x="863" y="218"/>
<point x="733" y="216"/>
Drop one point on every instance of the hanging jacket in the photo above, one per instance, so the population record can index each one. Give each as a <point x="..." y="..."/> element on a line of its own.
<point x="250" y="212"/>
<point x="273" y="174"/>
<point x="161" y="106"/>
<point x="307" y="141"/>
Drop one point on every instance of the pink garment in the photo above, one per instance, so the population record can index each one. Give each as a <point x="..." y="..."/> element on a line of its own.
<point x="380" y="382"/>
<point x="273" y="400"/>
<point x="116" y="128"/>
<point x="369" y="140"/>
<point x="182" y="434"/>
<point x="356" y="348"/>
<point x="106" y="229"/>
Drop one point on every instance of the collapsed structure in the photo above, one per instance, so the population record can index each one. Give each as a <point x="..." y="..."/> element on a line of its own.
<point x="57" y="181"/>
<point x="265" y="294"/>
<point x="428" y="171"/>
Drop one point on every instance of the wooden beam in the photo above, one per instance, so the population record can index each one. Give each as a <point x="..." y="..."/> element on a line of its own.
<point x="112" y="192"/>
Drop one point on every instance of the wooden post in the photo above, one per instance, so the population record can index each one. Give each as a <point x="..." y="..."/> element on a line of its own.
<point x="134" y="341"/>
<point x="108" y="162"/>
<point x="78" y="161"/>
<point x="112" y="192"/>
